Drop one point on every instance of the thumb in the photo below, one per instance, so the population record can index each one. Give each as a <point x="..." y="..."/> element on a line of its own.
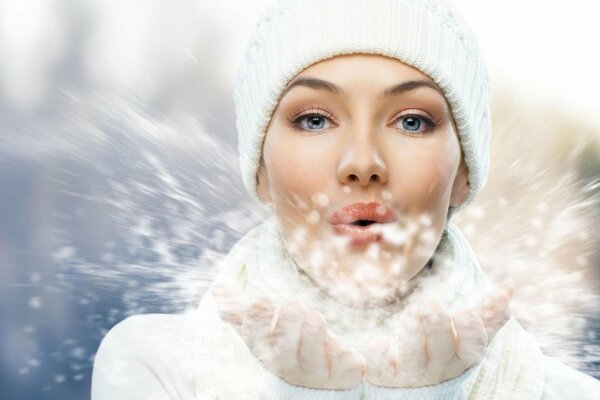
<point x="231" y="303"/>
<point x="494" y="309"/>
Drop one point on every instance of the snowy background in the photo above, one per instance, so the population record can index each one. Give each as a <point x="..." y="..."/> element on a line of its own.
<point x="119" y="186"/>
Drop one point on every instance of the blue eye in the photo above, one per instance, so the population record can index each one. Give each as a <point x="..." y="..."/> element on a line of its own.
<point x="411" y="124"/>
<point x="416" y="124"/>
<point x="315" y="121"/>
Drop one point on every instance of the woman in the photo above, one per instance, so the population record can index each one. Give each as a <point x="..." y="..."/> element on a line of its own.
<point x="363" y="127"/>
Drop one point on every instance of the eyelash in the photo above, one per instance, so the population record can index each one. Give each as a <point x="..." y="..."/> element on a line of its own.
<point x="430" y="123"/>
<point x="318" y="111"/>
<point x="315" y="110"/>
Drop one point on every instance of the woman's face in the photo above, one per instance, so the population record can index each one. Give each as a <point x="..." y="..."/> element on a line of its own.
<point x="361" y="161"/>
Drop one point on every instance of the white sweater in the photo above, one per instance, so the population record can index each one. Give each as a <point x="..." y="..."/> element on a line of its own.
<point x="150" y="357"/>
<point x="197" y="356"/>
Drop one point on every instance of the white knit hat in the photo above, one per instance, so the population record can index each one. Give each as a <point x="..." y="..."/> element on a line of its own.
<point x="429" y="35"/>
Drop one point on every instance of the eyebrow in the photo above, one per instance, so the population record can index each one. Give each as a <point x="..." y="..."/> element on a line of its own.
<point x="320" y="84"/>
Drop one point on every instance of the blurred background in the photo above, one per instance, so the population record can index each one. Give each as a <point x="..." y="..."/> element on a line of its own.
<point x="120" y="191"/>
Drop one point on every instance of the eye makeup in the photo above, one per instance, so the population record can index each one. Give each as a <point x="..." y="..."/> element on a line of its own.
<point x="296" y="118"/>
<point x="425" y="122"/>
<point x="417" y="115"/>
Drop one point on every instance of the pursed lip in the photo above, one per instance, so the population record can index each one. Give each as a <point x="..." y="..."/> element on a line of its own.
<point x="342" y="222"/>
<point x="373" y="211"/>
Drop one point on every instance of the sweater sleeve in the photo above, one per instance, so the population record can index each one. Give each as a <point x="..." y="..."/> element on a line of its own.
<point x="566" y="383"/>
<point x="275" y="388"/>
<point x="451" y="389"/>
<point x="119" y="373"/>
<point x="145" y="357"/>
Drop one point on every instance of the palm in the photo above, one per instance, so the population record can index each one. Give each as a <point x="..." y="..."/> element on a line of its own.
<point x="432" y="346"/>
<point x="293" y="343"/>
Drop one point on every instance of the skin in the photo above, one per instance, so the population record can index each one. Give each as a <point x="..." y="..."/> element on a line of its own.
<point x="430" y="345"/>
<point x="327" y="149"/>
<point x="362" y="152"/>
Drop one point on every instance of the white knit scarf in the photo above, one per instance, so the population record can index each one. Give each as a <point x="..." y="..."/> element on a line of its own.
<point x="260" y="265"/>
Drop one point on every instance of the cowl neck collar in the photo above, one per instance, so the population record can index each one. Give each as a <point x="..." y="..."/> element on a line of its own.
<point x="259" y="266"/>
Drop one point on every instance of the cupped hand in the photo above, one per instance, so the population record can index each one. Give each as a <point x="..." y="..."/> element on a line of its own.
<point x="293" y="343"/>
<point x="433" y="346"/>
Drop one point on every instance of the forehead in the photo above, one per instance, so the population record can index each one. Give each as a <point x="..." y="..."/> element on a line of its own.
<point x="363" y="62"/>
<point x="360" y="74"/>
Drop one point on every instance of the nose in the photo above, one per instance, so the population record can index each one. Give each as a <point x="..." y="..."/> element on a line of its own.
<point x="362" y="163"/>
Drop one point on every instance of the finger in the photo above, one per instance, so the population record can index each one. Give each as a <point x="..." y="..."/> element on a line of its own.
<point x="231" y="304"/>
<point x="312" y="354"/>
<point x="345" y="366"/>
<point x="494" y="310"/>
<point x="220" y="288"/>
<point x="471" y="336"/>
<point x="376" y="353"/>
<point x="438" y="332"/>
<point x="411" y="350"/>
<point x="381" y="362"/>
<point x="255" y="328"/>
<point x="285" y="337"/>
<point x="439" y="339"/>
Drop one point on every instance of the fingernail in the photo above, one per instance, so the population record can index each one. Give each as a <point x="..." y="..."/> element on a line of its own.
<point x="293" y="312"/>
<point x="334" y="347"/>
<point x="312" y="323"/>
<point x="462" y="317"/>
<point x="411" y="324"/>
<point x="431" y="317"/>
<point x="311" y="328"/>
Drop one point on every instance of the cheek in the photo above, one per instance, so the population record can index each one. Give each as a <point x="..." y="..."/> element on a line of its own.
<point x="423" y="177"/>
<point x="296" y="169"/>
